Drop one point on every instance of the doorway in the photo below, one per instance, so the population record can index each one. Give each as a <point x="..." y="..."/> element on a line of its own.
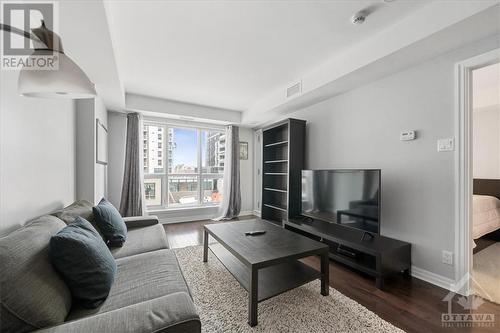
<point x="486" y="182"/>
<point x="478" y="176"/>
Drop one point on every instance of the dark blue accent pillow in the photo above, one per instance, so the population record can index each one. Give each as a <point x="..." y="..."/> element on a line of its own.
<point x="111" y="223"/>
<point x="84" y="261"/>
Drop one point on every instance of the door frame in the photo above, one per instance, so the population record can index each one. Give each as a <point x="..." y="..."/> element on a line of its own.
<point x="463" y="167"/>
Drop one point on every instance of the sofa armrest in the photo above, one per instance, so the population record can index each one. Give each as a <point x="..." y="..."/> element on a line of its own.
<point x="140" y="221"/>
<point x="172" y="313"/>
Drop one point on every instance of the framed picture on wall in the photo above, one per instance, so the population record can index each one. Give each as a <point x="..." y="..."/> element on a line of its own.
<point x="101" y="143"/>
<point x="243" y="150"/>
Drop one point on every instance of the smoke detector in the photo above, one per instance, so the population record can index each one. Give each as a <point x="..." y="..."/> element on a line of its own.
<point x="358" y="18"/>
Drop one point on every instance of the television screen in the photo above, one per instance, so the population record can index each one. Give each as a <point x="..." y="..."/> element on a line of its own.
<point x="349" y="198"/>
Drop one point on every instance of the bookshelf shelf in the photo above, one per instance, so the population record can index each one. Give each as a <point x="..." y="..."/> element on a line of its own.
<point x="279" y="143"/>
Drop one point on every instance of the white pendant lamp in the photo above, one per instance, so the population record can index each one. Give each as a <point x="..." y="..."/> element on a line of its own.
<point x="68" y="81"/>
<point x="65" y="80"/>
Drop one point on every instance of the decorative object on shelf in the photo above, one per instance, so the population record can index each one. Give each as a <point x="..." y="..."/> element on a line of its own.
<point x="101" y="143"/>
<point x="62" y="79"/>
<point x="243" y="150"/>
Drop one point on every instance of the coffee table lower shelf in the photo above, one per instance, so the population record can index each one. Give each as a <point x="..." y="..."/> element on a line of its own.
<point x="273" y="280"/>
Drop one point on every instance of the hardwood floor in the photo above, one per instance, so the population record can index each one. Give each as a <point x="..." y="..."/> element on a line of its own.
<point x="408" y="303"/>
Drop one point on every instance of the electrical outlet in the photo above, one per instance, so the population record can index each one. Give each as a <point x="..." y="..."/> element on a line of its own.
<point x="447" y="257"/>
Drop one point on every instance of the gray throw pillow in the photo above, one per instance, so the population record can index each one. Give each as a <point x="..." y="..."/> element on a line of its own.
<point x="84" y="261"/>
<point x="111" y="223"/>
<point x="32" y="294"/>
<point x="81" y="208"/>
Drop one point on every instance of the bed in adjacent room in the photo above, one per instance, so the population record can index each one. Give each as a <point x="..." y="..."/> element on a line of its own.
<point x="486" y="207"/>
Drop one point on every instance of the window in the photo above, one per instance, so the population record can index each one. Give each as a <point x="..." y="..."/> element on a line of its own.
<point x="182" y="166"/>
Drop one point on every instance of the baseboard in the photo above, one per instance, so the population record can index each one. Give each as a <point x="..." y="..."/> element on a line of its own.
<point x="245" y="213"/>
<point x="190" y="215"/>
<point x="256" y="213"/>
<point x="188" y="218"/>
<point x="433" y="278"/>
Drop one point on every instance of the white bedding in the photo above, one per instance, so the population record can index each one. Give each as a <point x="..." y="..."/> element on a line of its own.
<point x="486" y="215"/>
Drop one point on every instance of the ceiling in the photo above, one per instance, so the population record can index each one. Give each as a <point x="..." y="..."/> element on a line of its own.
<point x="230" y="54"/>
<point x="486" y="86"/>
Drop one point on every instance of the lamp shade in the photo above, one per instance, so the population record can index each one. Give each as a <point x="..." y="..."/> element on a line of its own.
<point x="66" y="80"/>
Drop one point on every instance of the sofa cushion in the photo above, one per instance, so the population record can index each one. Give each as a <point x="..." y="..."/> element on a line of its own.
<point x="32" y="294"/>
<point x="141" y="240"/>
<point x="81" y="208"/>
<point x="172" y="313"/>
<point x="110" y="222"/>
<point x="82" y="258"/>
<point x="140" y="278"/>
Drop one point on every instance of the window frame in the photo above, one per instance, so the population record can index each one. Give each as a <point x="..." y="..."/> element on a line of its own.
<point x="164" y="177"/>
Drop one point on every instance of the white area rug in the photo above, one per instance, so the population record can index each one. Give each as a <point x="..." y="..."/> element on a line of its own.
<point x="222" y="303"/>
<point x="486" y="273"/>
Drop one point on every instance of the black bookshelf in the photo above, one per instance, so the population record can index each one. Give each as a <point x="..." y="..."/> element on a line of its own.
<point x="283" y="146"/>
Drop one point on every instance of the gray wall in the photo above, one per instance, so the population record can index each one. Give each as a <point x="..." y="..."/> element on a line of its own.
<point x="37" y="154"/>
<point x="360" y="129"/>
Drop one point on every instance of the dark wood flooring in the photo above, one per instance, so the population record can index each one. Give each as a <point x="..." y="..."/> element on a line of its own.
<point x="482" y="243"/>
<point x="408" y="303"/>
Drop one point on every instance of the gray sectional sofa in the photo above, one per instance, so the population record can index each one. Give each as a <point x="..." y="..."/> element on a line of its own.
<point x="149" y="293"/>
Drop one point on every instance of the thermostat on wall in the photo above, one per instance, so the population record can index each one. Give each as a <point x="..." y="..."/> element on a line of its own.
<point x="407" y="135"/>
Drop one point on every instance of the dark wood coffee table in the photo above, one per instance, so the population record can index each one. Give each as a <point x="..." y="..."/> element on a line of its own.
<point x="265" y="265"/>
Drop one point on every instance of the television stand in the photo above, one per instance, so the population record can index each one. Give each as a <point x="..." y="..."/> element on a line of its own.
<point x="378" y="256"/>
<point x="366" y="233"/>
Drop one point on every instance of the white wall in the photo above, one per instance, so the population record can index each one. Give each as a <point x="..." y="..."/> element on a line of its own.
<point x="486" y="142"/>
<point x="246" y="173"/>
<point x="117" y="136"/>
<point x="100" y="170"/>
<point x="257" y="176"/>
<point x="91" y="177"/>
<point x="360" y="129"/>
<point x="37" y="154"/>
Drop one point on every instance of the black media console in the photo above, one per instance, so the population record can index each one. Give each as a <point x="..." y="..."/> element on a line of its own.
<point x="378" y="256"/>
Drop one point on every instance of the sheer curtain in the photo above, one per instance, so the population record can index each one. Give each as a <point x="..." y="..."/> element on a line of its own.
<point x="133" y="201"/>
<point x="231" y="194"/>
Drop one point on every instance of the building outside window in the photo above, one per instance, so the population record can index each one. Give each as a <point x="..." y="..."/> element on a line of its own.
<point x="185" y="165"/>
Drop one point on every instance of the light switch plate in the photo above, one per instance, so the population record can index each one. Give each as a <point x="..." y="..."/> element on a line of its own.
<point x="407" y="135"/>
<point x="445" y="144"/>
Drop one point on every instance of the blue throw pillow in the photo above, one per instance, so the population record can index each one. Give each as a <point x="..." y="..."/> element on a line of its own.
<point x="110" y="222"/>
<point x="84" y="261"/>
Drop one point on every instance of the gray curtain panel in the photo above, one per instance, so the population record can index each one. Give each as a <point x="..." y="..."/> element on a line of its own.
<point x="133" y="196"/>
<point x="231" y="193"/>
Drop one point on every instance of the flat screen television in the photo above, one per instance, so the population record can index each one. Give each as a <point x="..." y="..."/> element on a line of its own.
<point x="349" y="198"/>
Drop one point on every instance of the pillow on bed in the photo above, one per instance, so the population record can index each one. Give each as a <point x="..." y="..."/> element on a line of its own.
<point x="484" y="203"/>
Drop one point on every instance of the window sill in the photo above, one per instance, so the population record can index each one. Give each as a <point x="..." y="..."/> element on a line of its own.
<point x="177" y="209"/>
